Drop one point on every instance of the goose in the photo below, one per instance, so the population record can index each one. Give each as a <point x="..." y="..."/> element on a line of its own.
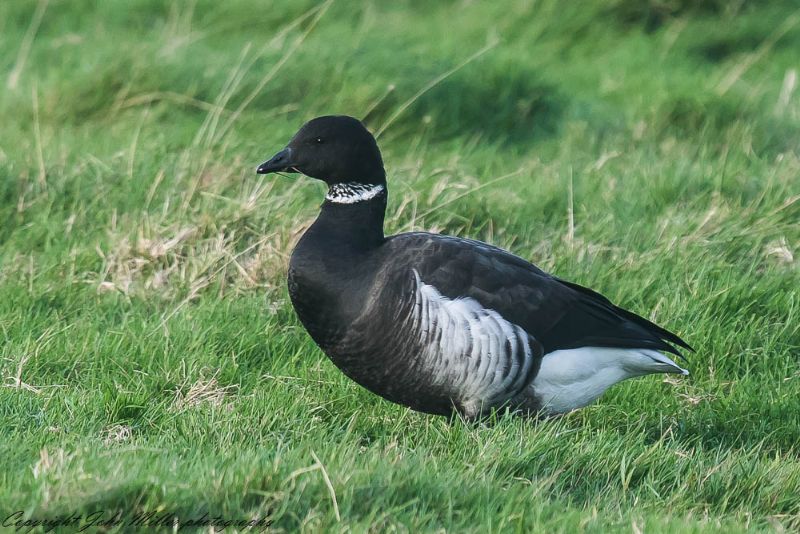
<point x="446" y="325"/>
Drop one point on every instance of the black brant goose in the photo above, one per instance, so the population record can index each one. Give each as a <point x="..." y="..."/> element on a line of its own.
<point x="442" y="324"/>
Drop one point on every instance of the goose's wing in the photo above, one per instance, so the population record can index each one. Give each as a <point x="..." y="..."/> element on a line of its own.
<point x="558" y="314"/>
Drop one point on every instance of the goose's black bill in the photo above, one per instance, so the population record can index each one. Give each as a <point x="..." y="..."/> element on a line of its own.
<point x="280" y="162"/>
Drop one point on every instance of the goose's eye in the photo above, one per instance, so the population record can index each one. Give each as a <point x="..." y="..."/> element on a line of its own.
<point x="318" y="140"/>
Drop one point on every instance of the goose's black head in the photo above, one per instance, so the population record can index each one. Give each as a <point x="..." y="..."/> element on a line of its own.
<point x="335" y="149"/>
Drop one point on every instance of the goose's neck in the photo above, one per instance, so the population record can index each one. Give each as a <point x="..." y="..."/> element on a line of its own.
<point x="352" y="215"/>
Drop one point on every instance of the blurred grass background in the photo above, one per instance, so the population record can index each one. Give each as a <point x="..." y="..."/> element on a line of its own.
<point x="151" y="360"/>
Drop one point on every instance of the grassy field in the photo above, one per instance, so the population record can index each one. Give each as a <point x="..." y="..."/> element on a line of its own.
<point x="151" y="362"/>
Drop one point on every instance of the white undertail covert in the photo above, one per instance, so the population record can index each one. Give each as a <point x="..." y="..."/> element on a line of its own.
<point x="574" y="378"/>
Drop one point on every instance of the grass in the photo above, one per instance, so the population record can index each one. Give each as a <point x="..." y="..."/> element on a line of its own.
<point x="151" y="362"/>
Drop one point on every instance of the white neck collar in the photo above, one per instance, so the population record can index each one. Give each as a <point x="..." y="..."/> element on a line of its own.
<point x="350" y="193"/>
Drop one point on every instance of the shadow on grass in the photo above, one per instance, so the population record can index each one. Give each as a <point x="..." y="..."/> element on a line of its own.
<point x="651" y="15"/>
<point x="722" y="120"/>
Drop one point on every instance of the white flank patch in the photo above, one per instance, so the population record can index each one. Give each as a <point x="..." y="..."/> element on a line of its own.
<point x="351" y="193"/>
<point x="571" y="379"/>
<point x="471" y="349"/>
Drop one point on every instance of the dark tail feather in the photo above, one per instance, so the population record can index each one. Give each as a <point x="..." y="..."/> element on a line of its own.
<point x="661" y="333"/>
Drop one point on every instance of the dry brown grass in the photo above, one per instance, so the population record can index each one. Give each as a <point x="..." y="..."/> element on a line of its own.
<point x="203" y="391"/>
